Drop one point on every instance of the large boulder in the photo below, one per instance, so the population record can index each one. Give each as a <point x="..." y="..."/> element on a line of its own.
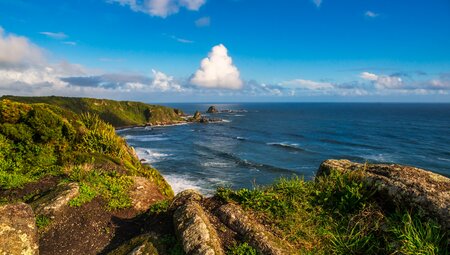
<point x="52" y="204"/>
<point x="257" y="236"/>
<point x="212" y="109"/>
<point x="18" y="232"/>
<point x="193" y="226"/>
<point x="144" y="193"/>
<point x="403" y="185"/>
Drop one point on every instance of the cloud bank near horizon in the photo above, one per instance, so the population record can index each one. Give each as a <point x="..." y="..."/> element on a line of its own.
<point x="25" y="69"/>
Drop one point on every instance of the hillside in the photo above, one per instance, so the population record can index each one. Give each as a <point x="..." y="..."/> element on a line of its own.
<point x="77" y="175"/>
<point x="117" y="113"/>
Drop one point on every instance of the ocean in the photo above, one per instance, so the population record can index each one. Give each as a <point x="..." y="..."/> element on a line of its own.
<point x="262" y="142"/>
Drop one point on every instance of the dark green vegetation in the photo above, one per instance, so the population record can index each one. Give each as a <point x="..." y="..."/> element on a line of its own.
<point x="338" y="214"/>
<point x="242" y="249"/>
<point x="117" y="113"/>
<point x="41" y="140"/>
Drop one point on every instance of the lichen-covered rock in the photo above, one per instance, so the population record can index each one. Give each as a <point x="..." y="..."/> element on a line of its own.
<point x="18" y="232"/>
<point x="212" y="109"/>
<point x="144" y="193"/>
<point x="56" y="201"/>
<point x="184" y="196"/>
<point x="144" y="249"/>
<point x="257" y="236"/>
<point x="403" y="185"/>
<point x="193" y="227"/>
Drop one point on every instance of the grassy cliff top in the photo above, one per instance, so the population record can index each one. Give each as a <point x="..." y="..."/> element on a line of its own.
<point x="117" y="113"/>
<point x="38" y="141"/>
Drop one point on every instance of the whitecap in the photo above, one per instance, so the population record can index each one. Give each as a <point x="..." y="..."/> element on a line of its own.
<point x="150" y="156"/>
<point x="183" y="182"/>
<point x="216" y="164"/>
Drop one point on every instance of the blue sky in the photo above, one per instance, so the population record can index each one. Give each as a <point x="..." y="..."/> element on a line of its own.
<point x="291" y="50"/>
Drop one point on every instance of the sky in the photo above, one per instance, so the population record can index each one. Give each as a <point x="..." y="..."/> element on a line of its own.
<point x="227" y="50"/>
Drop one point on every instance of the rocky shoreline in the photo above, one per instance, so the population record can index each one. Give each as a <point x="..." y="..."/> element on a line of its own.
<point x="207" y="225"/>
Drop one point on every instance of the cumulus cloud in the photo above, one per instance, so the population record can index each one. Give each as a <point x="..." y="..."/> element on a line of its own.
<point x="203" y="22"/>
<point x="53" y="35"/>
<point x="371" y="14"/>
<point x="217" y="71"/>
<point x="19" y="52"/>
<point x="308" y="84"/>
<point x="383" y="81"/>
<point x="160" y="8"/>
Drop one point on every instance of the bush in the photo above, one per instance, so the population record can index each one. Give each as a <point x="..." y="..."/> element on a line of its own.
<point x="242" y="249"/>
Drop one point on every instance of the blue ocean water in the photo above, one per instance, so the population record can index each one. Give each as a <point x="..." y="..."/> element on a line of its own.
<point x="270" y="140"/>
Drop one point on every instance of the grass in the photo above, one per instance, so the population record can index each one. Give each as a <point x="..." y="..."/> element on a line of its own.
<point x="242" y="249"/>
<point x="38" y="140"/>
<point x="338" y="214"/>
<point x="42" y="221"/>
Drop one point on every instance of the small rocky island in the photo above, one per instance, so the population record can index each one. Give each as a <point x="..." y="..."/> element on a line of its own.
<point x="70" y="185"/>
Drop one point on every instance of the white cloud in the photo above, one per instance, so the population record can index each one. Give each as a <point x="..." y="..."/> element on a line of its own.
<point x="317" y="2"/>
<point x="181" y="40"/>
<point x="203" y="22"/>
<point x="308" y="84"/>
<point x="371" y="14"/>
<point x="217" y="71"/>
<point x="383" y="81"/>
<point x="163" y="82"/>
<point x="18" y="51"/>
<point x="53" y="35"/>
<point x="160" y="8"/>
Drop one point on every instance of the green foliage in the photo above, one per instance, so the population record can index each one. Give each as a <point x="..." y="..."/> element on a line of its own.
<point x="110" y="185"/>
<point x="42" y="221"/>
<point x="417" y="236"/>
<point x="242" y="249"/>
<point x="159" y="207"/>
<point x="39" y="140"/>
<point x="336" y="214"/>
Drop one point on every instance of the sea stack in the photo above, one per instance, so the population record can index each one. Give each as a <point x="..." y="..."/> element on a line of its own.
<point x="212" y="109"/>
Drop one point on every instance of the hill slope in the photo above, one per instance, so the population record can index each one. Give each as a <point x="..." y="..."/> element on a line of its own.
<point x="117" y="113"/>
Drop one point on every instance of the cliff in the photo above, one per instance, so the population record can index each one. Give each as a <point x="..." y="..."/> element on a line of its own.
<point x="116" y="113"/>
<point x="77" y="181"/>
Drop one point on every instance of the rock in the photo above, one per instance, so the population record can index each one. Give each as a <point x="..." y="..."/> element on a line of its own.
<point x="139" y="245"/>
<point x="403" y="185"/>
<point x="185" y="196"/>
<point x="194" y="228"/>
<point x="144" y="249"/>
<point x="212" y="109"/>
<point x="56" y="201"/>
<point x="18" y="232"/>
<point x="197" y="116"/>
<point x="144" y="193"/>
<point x="258" y="237"/>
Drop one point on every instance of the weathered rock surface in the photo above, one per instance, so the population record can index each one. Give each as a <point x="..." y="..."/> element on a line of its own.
<point x="144" y="193"/>
<point x="212" y="109"/>
<point x="404" y="185"/>
<point x="54" y="203"/>
<point x="18" y="232"/>
<point x="193" y="227"/>
<point x="257" y="236"/>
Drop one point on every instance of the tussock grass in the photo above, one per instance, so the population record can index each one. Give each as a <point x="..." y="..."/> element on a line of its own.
<point x="338" y="214"/>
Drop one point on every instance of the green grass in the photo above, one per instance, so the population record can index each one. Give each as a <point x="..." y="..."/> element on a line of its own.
<point x="242" y="249"/>
<point x="38" y="140"/>
<point x="42" y="221"/>
<point x="337" y="214"/>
